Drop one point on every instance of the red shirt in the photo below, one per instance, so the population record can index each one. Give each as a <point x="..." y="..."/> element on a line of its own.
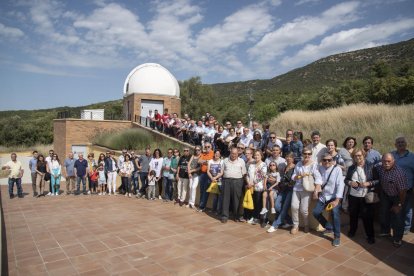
<point x="157" y="118"/>
<point x="94" y="176"/>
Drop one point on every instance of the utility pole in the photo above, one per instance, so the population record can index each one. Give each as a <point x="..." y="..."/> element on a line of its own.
<point x="251" y="103"/>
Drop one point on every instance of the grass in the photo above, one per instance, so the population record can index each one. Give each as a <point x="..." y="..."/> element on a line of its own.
<point x="136" y="139"/>
<point x="44" y="149"/>
<point x="382" y="122"/>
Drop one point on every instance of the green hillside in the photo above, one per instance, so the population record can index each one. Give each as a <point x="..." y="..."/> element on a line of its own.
<point x="382" y="74"/>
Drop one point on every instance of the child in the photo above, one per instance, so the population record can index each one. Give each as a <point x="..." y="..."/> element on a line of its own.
<point x="102" y="179"/>
<point x="271" y="190"/>
<point x="152" y="179"/>
<point x="94" y="178"/>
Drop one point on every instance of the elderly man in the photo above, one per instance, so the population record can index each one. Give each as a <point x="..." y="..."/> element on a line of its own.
<point x="69" y="173"/>
<point x="80" y="167"/>
<point x="15" y="175"/>
<point x="405" y="159"/>
<point x="330" y="192"/>
<point x="234" y="171"/>
<point x="317" y="148"/>
<point x="246" y="137"/>
<point x="32" y="167"/>
<point x="393" y="181"/>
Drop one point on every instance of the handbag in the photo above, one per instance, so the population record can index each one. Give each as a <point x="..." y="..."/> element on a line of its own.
<point x="248" y="200"/>
<point x="308" y="183"/>
<point x="213" y="188"/>
<point x="371" y="197"/>
<point x="46" y="177"/>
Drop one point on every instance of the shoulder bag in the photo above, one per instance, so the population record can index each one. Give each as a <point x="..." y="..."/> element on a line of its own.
<point x="308" y="181"/>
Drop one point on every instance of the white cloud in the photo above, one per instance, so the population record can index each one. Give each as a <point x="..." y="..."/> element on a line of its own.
<point x="302" y="2"/>
<point x="349" y="40"/>
<point x="10" y="32"/>
<point x="301" y="30"/>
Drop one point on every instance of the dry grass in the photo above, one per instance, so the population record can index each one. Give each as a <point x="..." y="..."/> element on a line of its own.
<point x="44" y="149"/>
<point x="383" y="122"/>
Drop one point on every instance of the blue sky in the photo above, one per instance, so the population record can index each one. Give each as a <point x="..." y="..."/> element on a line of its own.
<point x="56" y="53"/>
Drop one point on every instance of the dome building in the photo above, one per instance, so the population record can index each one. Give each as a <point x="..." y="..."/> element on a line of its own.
<point x="147" y="87"/>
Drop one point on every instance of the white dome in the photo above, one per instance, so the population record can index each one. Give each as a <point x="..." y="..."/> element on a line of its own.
<point x="151" y="78"/>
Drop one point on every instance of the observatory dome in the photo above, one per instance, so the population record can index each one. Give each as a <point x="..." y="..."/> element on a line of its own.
<point x="151" y="78"/>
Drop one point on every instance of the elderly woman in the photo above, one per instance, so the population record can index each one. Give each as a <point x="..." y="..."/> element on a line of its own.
<point x="329" y="194"/>
<point x="360" y="180"/>
<point x="300" y="197"/>
<point x="257" y="174"/>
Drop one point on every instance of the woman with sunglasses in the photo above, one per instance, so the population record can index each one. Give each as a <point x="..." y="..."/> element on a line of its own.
<point x="301" y="197"/>
<point x="193" y="174"/>
<point x="55" y="174"/>
<point x="360" y="180"/>
<point x="329" y="195"/>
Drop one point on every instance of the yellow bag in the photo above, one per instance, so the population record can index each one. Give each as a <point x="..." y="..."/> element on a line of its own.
<point x="248" y="200"/>
<point x="213" y="188"/>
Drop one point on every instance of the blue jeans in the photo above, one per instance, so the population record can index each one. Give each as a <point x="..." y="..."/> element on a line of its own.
<point x="143" y="176"/>
<point x="167" y="187"/>
<point x="408" y="211"/>
<point x="18" y="182"/>
<point x="282" y="206"/>
<point x="391" y="220"/>
<point x="204" y="181"/>
<point x="336" y="218"/>
<point x="218" y="201"/>
<point x="55" y="181"/>
<point x="134" y="179"/>
<point x="78" y="181"/>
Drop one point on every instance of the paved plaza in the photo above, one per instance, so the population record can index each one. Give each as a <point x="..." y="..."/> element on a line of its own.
<point x="101" y="235"/>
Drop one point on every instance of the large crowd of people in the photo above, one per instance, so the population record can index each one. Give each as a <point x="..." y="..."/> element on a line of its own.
<point x="251" y="175"/>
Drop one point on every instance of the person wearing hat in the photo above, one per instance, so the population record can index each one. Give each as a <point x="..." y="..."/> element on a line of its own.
<point x="329" y="196"/>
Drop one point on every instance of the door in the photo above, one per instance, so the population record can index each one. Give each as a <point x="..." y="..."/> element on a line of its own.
<point x="146" y="106"/>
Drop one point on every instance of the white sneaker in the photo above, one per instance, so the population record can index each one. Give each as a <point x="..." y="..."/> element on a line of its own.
<point x="129" y="195"/>
<point x="255" y="221"/>
<point x="159" y="197"/>
<point x="263" y="211"/>
<point x="271" y="229"/>
<point x="250" y="221"/>
<point x="57" y="194"/>
<point x="104" y="193"/>
<point x="126" y="194"/>
<point x="89" y="192"/>
<point x="100" y="194"/>
<point x="273" y="211"/>
<point x="49" y="193"/>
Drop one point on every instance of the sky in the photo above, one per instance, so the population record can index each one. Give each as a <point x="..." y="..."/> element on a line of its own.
<point x="71" y="53"/>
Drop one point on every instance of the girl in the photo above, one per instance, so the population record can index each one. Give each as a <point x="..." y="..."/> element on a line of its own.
<point x="152" y="179"/>
<point x="156" y="165"/>
<point x="273" y="179"/>
<point x="55" y="174"/>
<point x="41" y="169"/>
<point x="102" y="179"/>
<point x="94" y="179"/>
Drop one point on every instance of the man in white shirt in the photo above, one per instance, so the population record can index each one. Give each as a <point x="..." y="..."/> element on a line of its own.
<point x="317" y="148"/>
<point x="15" y="175"/>
<point x="275" y="157"/>
<point x="273" y="141"/>
<point x="246" y="137"/>
<point x="49" y="164"/>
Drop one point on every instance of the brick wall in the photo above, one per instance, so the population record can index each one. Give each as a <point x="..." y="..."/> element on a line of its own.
<point x="172" y="103"/>
<point x="68" y="132"/>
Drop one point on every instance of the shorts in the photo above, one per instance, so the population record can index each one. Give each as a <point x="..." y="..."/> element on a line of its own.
<point x="101" y="182"/>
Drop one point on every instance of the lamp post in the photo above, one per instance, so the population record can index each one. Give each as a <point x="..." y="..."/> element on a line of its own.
<point x="251" y="103"/>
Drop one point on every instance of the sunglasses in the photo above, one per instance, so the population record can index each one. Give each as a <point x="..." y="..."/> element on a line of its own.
<point x="326" y="160"/>
<point x="186" y="150"/>
<point x="207" y="147"/>
<point x="306" y="153"/>
<point x="272" y="137"/>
